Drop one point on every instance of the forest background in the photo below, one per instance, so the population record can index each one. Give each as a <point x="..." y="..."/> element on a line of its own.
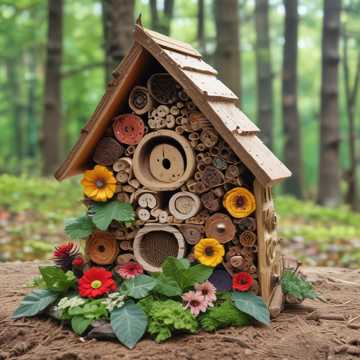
<point x="295" y="65"/>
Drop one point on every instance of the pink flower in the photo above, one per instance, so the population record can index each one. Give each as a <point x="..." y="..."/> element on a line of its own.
<point x="195" y="302"/>
<point x="208" y="291"/>
<point x="129" y="270"/>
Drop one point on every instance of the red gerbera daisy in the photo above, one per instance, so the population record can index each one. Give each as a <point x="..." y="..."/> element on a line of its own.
<point x="96" y="282"/>
<point x="242" y="281"/>
<point x="64" y="255"/>
<point x="129" y="270"/>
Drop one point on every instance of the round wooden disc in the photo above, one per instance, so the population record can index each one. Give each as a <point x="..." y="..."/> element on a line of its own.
<point x="128" y="129"/>
<point x="102" y="248"/>
<point x="184" y="205"/>
<point x="166" y="163"/>
<point x="107" y="151"/>
<point x="192" y="233"/>
<point x="220" y="227"/>
<point x="163" y="88"/>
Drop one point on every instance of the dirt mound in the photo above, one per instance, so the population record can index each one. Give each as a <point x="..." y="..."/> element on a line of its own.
<point x="332" y="332"/>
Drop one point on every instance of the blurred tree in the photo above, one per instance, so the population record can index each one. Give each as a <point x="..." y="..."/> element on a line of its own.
<point x="161" y="21"/>
<point x="227" y="55"/>
<point x="329" y="168"/>
<point x="351" y="95"/>
<point x="201" y="28"/>
<point x="118" y="24"/>
<point x="291" y="123"/>
<point x="264" y="75"/>
<point x="52" y="92"/>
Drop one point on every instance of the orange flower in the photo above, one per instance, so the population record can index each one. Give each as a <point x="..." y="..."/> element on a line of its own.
<point x="99" y="184"/>
<point x="239" y="202"/>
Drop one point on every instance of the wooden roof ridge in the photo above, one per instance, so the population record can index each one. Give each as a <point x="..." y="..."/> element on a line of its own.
<point x="217" y="102"/>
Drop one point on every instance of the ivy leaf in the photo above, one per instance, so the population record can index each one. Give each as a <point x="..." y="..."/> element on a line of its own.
<point x="140" y="286"/>
<point x="79" y="324"/>
<point x="104" y="213"/>
<point x="253" y="305"/>
<point x="56" y="280"/>
<point x="129" y="324"/>
<point x="167" y="286"/>
<point x="34" y="303"/>
<point x="79" y="228"/>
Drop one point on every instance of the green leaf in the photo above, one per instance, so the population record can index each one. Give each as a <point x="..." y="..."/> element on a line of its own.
<point x="293" y="284"/>
<point x="104" y="213"/>
<point x="79" y="324"/>
<point x="140" y="286"/>
<point x="34" y="303"/>
<point x="129" y="324"/>
<point x="56" y="279"/>
<point x="167" y="286"/>
<point x="253" y="305"/>
<point x="196" y="274"/>
<point x="80" y="227"/>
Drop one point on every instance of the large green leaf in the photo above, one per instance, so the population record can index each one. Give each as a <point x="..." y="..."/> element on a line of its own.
<point x="80" y="227"/>
<point x="79" y="324"/>
<point x="196" y="274"/>
<point x="104" y="213"/>
<point x="129" y="324"/>
<point x="34" y="303"/>
<point x="56" y="279"/>
<point x="167" y="286"/>
<point x="140" y="286"/>
<point x="253" y="305"/>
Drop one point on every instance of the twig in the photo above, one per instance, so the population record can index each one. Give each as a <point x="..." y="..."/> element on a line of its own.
<point x="350" y="324"/>
<point x="316" y="315"/>
<point x="235" y="340"/>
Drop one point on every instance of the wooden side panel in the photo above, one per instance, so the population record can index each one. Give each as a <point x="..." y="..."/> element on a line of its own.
<point x="126" y="75"/>
<point x="269" y="257"/>
<point x="272" y="168"/>
<point x="187" y="62"/>
<point x="210" y="86"/>
<point x="172" y="44"/>
<point x="233" y="117"/>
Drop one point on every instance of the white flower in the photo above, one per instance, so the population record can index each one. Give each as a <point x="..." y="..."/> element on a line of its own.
<point x="114" y="301"/>
<point x="70" y="302"/>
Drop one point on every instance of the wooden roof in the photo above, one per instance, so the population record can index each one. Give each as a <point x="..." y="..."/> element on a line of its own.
<point x="217" y="102"/>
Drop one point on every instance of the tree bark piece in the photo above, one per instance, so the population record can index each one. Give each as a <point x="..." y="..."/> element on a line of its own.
<point x="220" y="227"/>
<point x="140" y="100"/>
<point x="107" y="151"/>
<point x="102" y="248"/>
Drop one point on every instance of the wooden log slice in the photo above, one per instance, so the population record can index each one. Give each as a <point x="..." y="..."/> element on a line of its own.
<point x="247" y="223"/>
<point x="140" y="100"/>
<point x="248" y="239"/>
<point x="163" y="88"/>
<point x="192" y="233"/>
<point x="198" y="121"/>
<point x="148" y="200"/>
<point x="183" y="205"/>
<point x="125" y="258"/>
<point x="237" y="261"/>
<point x="128" y="129"/>
<point x="102" y="248"/>
<point x="220" y="163"/>
<point x="220" y="227"/>
<point x="209" y="137"/>
<point x="123" y="164"/>
<point x="107" y="151"/>
<point x="212" y="177"/>
<point x="210" y="201"/>
<point x="154" y="243"/>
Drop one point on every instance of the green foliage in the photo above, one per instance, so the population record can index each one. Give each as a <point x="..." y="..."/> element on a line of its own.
<point x="166" y="317"/>
<point x="139" y="287"/>
<point x="129" y="324"/>
<point x="79" y="228"/>
<point x="57" y="280"/>
<point x="34" y="303"/>
<point x="80" y="324"/>
<point x="223" y="315"/>
<point x="294" y="284"/>
<point x="180" y="271"/>
<point x="167" y="286"/>
<point x="102" y="214"/>
<point x="252" y="305"/>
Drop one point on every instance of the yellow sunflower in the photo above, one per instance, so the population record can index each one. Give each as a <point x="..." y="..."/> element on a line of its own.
<point x="209" y="252"/>
<point x="239" y="202"/>
<point x="99" y="184"/>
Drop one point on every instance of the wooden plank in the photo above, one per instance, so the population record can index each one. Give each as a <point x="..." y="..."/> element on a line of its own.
<point x="187" y="62"/>
<point x="210" y="86"/>
<point x="233" y="117"/>
<point x="117" y="92"/>
<point x="169" y="43"/>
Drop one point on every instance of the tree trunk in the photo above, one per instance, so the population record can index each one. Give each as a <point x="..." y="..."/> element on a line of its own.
<point x="227" y="55"/>
<point x="201" y="28"/>
<point x="264" y="74"/>
<point x="17" y="113"/>
<point x="161" y="22"/>
<point x="329" y="167"/>
<point x="291" y="123"/>
<point x="52" y="92"/>
<point x="118" y="24"/>
<point x="352" y="196"/>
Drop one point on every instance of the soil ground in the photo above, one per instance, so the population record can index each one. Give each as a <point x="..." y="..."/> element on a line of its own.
<point x="291" y="336"/>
